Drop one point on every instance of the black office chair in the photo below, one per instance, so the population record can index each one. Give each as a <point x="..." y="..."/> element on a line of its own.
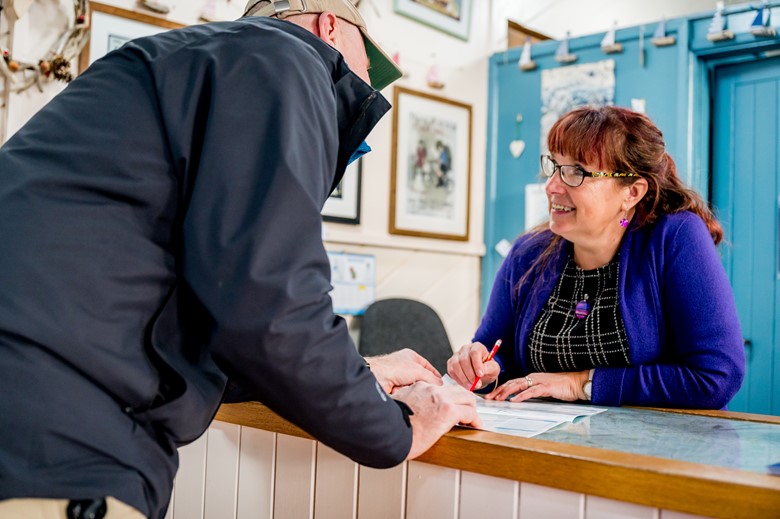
<point x="392" y="324"/>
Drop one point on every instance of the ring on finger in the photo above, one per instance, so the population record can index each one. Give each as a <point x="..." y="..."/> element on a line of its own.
<point x="530" y="382"/>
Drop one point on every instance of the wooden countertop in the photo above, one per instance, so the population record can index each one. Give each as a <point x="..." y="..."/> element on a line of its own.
<point x="661" y="483"/>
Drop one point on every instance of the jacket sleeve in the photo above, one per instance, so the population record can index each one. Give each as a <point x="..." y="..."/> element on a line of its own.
<point x="256" y="136"/>
<point x="703" y="361"/>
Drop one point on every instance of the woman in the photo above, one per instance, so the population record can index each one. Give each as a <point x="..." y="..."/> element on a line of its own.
<point x="621" y="298"/>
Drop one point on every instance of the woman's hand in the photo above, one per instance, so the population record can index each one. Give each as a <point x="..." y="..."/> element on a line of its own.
<point x="561" y="386"/>
<point x="468" y="363"/>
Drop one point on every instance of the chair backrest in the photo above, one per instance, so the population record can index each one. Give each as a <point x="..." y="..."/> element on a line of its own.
<point x="392" y="324"/>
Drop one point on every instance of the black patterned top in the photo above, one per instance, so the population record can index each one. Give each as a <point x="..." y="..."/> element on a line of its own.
<point x="560" y="341"/>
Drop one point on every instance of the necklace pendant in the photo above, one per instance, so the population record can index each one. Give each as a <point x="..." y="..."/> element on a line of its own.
<point x="582" y="309"/>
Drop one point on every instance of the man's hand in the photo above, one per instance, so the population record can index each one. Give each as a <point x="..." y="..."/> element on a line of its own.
<point x="436" y="411"/>
<point x="468" y="363"/>
<point x="402" y="368"/>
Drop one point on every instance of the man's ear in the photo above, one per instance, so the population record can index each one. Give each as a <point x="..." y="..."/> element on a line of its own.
<point x="327" y="25"/>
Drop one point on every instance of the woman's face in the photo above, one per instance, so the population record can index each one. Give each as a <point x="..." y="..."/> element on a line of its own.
<point x="587" y="215"/>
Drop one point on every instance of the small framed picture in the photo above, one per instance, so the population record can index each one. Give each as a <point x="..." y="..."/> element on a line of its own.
<point x="450" y="16"/>
<point x="111" y="27"/>
<point x="343" y="205"/>
<point x="431" y="166"/>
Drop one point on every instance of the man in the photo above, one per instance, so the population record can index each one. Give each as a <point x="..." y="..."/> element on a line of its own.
<point x="161" y="235"/>
<point x="445" y="162"/>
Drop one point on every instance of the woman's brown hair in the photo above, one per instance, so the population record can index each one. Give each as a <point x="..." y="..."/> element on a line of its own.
<point x="620" y="140"/>
<point x="623" y="141"/>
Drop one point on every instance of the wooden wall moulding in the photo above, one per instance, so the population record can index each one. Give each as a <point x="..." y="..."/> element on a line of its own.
<point x="111" y="26"/>
<point x="518" y="33"/>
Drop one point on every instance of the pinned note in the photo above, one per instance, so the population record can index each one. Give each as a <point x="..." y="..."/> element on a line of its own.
<point x="353" y="277"/>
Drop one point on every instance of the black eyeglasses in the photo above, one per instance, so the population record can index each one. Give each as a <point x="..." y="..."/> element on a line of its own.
<point x="574" y="175"/>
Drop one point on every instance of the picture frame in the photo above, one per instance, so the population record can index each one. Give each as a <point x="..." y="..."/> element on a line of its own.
<point x="430" y="192"/>
<point x="343" y="205"/>
<point x="112" y="26"/>
<point x="450" y="16"/>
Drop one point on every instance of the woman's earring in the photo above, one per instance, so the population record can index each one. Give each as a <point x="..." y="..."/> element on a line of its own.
<point x="624" y="220"/>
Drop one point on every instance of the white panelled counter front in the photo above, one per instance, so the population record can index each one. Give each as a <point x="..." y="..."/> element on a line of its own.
<point x="626" y="462"/>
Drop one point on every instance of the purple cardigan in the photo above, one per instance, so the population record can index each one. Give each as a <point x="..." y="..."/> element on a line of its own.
<point x="686" y="347"/>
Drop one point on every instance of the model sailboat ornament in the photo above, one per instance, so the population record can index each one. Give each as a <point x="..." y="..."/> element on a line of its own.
<point x="762" y="25"/>
<point x="660" y="38"/>
<point x="433" y="79"/>
<point x="526" y="63"/>
<point x="608" y="45"/>
<point x="562" y="55"/>
<point x="718" y="30"/>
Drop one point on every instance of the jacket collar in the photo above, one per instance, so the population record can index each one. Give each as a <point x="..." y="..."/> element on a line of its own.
<point x="358" y="106"/>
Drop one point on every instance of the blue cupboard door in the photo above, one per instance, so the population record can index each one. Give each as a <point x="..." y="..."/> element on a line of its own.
<point x="512" y="94"/>
<point x="745" y="173"/>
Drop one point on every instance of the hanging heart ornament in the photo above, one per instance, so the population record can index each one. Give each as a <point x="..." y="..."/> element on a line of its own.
<point x="516" y="147"/>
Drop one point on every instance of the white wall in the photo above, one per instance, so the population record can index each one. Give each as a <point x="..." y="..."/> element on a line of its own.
<point x="581" y="17"/>
<point x="29" y="38"/>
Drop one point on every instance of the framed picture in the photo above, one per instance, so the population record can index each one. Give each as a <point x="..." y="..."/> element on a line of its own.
<point x="343" y="205"/>
<point x="431" y="166"/>
<point x="450" y="16"/>
<point x="111" y="27"/>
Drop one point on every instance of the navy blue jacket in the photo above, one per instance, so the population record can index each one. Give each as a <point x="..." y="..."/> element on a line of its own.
<point x="677" y="306"/>
<point x="161" y="234"/>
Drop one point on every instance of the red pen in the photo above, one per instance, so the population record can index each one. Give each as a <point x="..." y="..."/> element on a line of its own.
<point x="487" y="359"/>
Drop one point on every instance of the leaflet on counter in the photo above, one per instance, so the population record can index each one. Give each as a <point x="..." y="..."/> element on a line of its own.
<point x="529" y="418"/>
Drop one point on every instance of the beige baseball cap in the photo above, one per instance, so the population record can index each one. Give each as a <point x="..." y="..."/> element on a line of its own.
<point x="383" y="69"/>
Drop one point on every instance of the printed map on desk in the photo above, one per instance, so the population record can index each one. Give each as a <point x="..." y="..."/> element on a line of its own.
<point x="528" y="418"/>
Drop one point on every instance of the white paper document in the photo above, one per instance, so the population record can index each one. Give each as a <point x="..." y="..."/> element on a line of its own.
<point x="536" y="208"/>
<point x="528" y="418"/>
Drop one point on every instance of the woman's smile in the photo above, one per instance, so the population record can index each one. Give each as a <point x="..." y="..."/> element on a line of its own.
<point x="559" y="208"/>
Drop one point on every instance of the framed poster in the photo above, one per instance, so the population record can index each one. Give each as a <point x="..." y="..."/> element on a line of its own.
<point x="431" y="166"/>
<point x="567" y="88"/>
<point x="450" y="16"/>
<point x="111" y="27"/>
<point x="343" y="205"/>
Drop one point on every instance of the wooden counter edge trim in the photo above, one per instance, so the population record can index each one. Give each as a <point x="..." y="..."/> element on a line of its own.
<point x="661" y="483"/>
<point x="730" y="415"/>
<point x="258" y="416"/>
